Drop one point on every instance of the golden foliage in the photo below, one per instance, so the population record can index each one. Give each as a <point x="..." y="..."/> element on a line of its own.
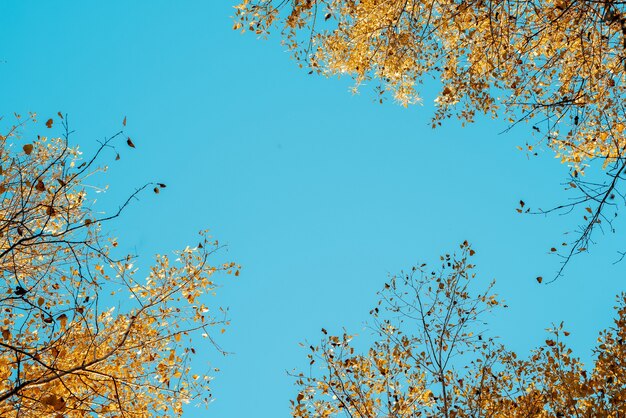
<point x="431" y="358"/>
<point x="556" y="62"/>
<point x="82" y="334"/>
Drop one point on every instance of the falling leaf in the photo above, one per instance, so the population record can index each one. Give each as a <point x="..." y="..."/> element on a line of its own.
<point x="130" y="143"/>
<point x="539" y="279"/>
<point x="124" y="121"/>
<point x="49" y="123"/>
<point x="156" y="190"/>
<point x="28" y="148"/>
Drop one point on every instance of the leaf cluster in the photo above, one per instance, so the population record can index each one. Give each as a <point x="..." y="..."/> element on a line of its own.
<point x="82" y="332"/>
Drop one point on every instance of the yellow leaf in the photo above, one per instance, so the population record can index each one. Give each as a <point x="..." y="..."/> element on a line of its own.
<point x="426" y="396"/>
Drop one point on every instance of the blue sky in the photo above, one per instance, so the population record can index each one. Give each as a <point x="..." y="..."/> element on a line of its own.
<point x="318" y="193"/>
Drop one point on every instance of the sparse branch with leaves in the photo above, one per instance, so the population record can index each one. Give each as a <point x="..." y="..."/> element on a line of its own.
<point x="431" y="357"/>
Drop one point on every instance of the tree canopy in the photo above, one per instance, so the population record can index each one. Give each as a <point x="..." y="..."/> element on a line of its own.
<point x="83" y="332"/>
<point x="557" y="64"/>
<point x="87" y="330"/>
<point x="558" y="61"/>
<point x="431" y="356"/>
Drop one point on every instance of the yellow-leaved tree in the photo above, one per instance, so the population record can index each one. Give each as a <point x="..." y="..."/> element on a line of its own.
<point x="431" y="357"/>
<point x="83" y="333"/>
<point x="558" y="64"/>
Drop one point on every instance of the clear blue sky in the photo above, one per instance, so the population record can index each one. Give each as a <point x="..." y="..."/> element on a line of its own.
<point x="318" y="193"/>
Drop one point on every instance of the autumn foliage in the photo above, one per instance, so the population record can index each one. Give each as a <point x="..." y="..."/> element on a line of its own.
<point x="84" y="332"/>
<point x="557" y="64"/>
<point x="555" y="59"/>
<point x="431" y="357"/>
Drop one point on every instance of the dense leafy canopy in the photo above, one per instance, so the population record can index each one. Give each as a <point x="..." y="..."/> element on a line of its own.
<point x="558" y="60"/>
<point x="558" y="64"/>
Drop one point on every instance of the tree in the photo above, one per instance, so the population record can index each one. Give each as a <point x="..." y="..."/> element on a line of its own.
<point x="558" y="64"/>
<point x="82" y="335"/>
<point x="431" y="357"/>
